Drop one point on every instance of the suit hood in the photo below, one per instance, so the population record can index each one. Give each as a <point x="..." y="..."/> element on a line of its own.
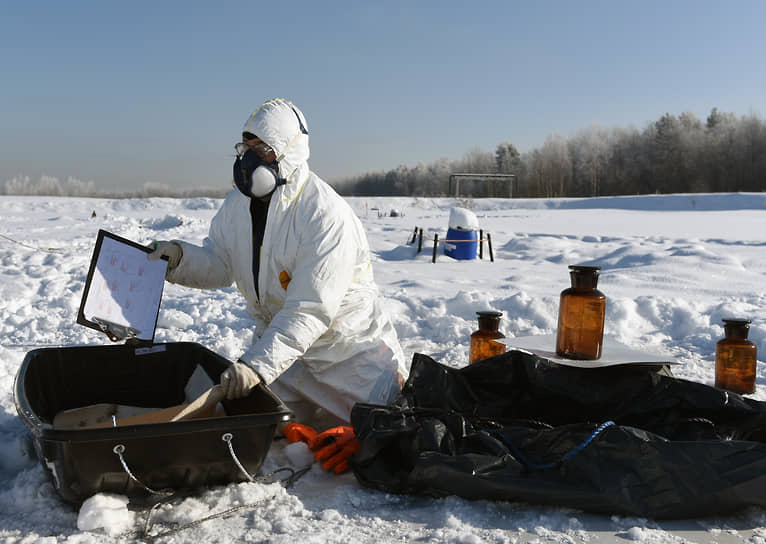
<point x="283" y="127"/>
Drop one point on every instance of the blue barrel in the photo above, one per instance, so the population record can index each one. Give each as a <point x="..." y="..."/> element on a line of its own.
<point x="461" y="250"/>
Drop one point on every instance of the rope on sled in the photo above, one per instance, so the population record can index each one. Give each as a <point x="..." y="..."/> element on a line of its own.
<point x="119" y="449"/>
<point x="294" y="476"/>
<point x="227" y="438"/>
<point x="289" y="481"/>
<point x="191" y="524"/>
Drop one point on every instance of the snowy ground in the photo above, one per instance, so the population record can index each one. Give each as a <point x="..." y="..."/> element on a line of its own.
<point x="673" y="266"/>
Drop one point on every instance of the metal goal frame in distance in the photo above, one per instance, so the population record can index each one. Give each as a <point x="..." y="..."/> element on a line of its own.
<point x="454" y="179"/>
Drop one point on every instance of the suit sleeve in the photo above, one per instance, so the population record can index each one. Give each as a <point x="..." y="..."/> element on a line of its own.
<point x="206" y="266"/>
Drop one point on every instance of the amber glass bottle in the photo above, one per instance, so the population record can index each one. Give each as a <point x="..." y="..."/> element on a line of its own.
<point x="735" y="358"/>
<point x="582" y="309"/>
<point x="483" y="343"/>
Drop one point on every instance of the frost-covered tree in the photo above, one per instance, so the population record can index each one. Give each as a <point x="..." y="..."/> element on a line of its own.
<point x="556" y="165"/>
<point x="589" y="149"/>
<point x="507" y="158"/>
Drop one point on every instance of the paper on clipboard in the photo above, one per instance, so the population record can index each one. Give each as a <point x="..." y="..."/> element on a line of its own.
<point x="123" y="290"/>
<point x="612" y="352"/>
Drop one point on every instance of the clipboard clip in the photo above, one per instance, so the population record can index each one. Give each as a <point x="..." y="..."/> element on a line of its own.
<point x="114" y="331"/>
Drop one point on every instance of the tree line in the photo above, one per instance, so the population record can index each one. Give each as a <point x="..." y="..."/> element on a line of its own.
<point x="675" y="154"/>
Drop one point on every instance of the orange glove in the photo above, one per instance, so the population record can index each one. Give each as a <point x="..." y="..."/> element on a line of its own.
<point x="334" y="447"/>
<point x="297" y="432"/>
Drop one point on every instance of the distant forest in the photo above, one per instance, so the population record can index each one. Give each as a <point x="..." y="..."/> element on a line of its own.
<point x="675" y="154"/>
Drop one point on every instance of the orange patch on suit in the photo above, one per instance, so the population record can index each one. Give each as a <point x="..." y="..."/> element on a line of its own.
<point x="284" y="279"/>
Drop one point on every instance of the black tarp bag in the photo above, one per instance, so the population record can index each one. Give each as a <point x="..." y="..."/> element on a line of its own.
<point x="629" y="440"/>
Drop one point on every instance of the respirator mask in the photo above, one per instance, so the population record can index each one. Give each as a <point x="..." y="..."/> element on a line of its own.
<point x="252" y="176"/>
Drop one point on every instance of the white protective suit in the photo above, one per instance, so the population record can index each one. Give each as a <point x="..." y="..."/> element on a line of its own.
<point x="321" y="333"/>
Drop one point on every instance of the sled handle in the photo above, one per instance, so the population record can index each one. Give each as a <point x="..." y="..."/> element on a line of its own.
<point x="227" y="438"/>
<point x="118" y="450"/>
<point x="289" y="480"/>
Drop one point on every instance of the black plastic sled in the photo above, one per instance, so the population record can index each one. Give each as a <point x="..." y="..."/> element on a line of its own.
<point x="628" y="440"/>
<point x="183" y="454"/>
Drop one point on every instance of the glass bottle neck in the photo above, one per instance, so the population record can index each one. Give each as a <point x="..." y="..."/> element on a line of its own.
<point x="490" y="324"/>
<point x="584" y="280"/>
<point x="738" y="332"/>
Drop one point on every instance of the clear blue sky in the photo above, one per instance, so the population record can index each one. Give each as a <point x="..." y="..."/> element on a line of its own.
<point x="123" y="93"/>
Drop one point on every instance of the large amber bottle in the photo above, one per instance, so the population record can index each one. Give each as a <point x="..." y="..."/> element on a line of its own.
<point x="582" y="309"/>
<point x="483" y="342"/>
<point x="735" y="358"/>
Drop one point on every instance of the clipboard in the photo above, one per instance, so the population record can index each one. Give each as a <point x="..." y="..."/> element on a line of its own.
<point x="613" y="352"/>
<point x="123" y="289"/>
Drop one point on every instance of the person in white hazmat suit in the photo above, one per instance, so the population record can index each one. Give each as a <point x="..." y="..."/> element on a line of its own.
<point x="298" y="253"/>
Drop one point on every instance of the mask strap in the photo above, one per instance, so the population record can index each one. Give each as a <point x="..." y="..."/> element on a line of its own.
<point x="303" y="128"/>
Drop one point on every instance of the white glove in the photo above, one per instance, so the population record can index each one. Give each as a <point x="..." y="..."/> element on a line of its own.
<point x="171" y="250"/>
<point x="238" y="380"/>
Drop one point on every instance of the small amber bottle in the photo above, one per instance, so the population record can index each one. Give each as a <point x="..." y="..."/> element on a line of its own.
<point x="483" y="343"/>
<point x="735" y="358"/>
<point x="582" y="309"/>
